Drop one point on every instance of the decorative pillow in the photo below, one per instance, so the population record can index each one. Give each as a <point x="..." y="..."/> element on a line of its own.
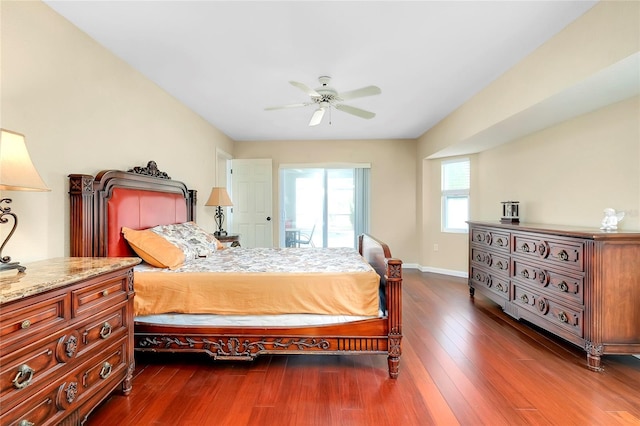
<point x="153" y="248"/>
<point x="201" y="237"/>
<point x="190" y="238"/>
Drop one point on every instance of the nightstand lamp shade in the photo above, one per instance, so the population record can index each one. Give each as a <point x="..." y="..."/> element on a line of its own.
<point x="17" y="173"/>
<point x="219" y="198"/>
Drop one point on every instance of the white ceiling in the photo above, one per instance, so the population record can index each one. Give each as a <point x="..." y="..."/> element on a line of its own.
<point x="227" y="60"/>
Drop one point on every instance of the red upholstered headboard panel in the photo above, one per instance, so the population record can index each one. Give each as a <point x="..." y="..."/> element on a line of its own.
<point x="138" y="209"/>
<point x="100" y="206"/>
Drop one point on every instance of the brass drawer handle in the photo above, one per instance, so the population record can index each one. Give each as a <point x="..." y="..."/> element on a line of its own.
<point x="24" y="377"/>
<point x="105" y="293"/>
<point x="562" y="316"/>
<point x="105" y="331"/>
<point x="501" y="242"/>
<point x="525" y="273"/>
<point x="525" y="248"/>
<point x="563" y="287"/>
<point x="563" y="255"/>
<point x="499" y="287"/>
<point x="25" y="324"/>
<point x="25" y="423"/>
<point x="500" y="265"/>
<point x="105" y="371"/>
<point x="524" y="298"/>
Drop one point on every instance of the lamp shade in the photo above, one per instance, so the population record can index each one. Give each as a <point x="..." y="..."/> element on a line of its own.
<point x="219" y="197"/>
<point x="16" y="169"/>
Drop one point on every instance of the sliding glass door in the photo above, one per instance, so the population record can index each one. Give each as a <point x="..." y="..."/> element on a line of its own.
<point x="323" y="207"/>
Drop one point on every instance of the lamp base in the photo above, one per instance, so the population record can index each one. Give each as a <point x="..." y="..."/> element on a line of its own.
<point x="220" y="233"/>
<point x="12" y="265"/>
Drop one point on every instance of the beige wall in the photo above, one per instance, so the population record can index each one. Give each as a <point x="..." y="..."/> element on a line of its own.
<point x="568" y="173"/>
<point x="83" y="110"/>
<point x="564" y="174"/>
<point x="393" y="181"/>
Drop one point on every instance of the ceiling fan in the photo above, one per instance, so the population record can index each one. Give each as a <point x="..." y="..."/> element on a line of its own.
<point x="326" y="97"/>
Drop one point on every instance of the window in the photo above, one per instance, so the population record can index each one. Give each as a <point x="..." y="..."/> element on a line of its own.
<point x="327" y="206"/>
<point x="455" y="195"/>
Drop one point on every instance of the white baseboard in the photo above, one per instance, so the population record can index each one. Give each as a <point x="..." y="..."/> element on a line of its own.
<point x="451" y="272"/>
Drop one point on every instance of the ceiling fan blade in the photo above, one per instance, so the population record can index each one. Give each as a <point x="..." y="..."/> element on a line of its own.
<point x="306" y="89"/>
<point x="355" y="111"/>
<point x="316" y="118"/>
<point x="360" y="93"/>
<point x="287" y="106"/>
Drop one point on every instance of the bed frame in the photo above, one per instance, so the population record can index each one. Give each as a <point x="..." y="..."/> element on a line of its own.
<point x="144" y="197"/>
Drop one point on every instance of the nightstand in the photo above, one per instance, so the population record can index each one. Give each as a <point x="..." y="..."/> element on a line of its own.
<point x="234" y="239"/>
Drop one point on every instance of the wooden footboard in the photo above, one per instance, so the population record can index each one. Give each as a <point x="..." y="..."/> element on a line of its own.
<point x="96" y="231"/>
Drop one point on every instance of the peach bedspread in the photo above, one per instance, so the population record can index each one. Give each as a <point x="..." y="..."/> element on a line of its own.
<point x="258" y="281"/>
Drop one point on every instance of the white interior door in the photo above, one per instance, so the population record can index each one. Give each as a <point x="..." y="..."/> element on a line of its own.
<point x="251" y="194"/>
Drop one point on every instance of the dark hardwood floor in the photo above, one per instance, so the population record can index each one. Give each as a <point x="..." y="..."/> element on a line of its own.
<point x="464" y="362"/>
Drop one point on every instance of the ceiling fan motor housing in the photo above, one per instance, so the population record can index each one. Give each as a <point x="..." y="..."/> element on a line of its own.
<point x="327" y="94"/>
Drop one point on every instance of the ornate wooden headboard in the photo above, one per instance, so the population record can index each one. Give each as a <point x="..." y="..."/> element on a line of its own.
<point x="140" y="198"/>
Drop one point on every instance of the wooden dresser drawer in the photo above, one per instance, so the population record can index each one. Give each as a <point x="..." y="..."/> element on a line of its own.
<point x="38" y="410"/>
<point x="66" y="394"/>
<point x="496" y="262"/>
<point x="93" y="297"/>
<point x="28" y="372"/>
<point x="102" y="329"/>
<point x="567" y="254"/>
<point x="485" y="280"/>
<point x="36" y="366"/>
<point x="569" y="319"/>
<point x="564" y="287"/>
<point x="23" y="324"/>
<point x="111" y="364"/>
<point x="489" y="238"/>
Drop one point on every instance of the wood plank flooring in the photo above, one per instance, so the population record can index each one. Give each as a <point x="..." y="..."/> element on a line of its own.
<point x="464" y="362"/>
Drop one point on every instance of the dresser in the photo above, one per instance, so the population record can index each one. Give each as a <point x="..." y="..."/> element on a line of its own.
<point x="581" y="284"/>
<point x="66" y="338"/>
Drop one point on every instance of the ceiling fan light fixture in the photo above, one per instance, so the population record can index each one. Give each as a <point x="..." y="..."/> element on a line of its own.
<point x="326" y="97"/>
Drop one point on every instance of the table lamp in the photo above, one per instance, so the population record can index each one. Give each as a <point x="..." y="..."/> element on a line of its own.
<point x="219" y="198"/>
<point x="17" y="173"/>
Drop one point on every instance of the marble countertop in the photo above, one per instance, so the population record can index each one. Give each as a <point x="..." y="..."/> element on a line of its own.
<point x="50" y="274"/>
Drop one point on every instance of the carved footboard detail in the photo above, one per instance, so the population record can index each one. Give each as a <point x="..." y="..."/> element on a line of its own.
<point x="230" y="348"/>
<point x="247" y="348"/>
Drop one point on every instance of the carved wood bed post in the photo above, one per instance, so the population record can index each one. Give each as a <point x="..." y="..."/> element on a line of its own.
<point x="393" y="278"/>
<point x="81" y="211"/>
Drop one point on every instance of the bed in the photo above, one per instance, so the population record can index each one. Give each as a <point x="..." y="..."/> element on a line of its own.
<point x="104" y="205"/>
